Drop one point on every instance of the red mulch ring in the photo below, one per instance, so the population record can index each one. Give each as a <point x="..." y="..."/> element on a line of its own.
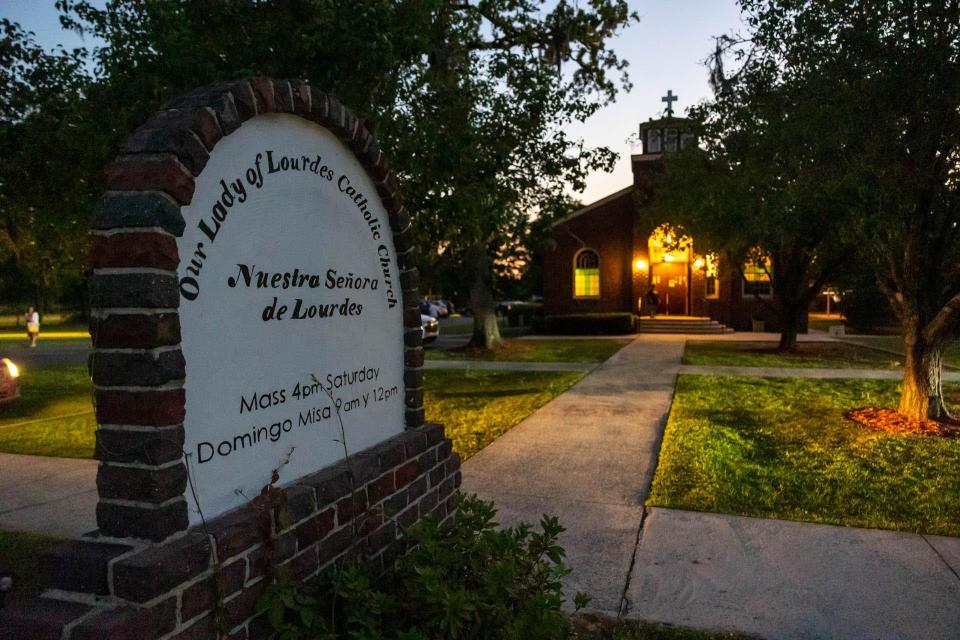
<point x="894" y="422"/>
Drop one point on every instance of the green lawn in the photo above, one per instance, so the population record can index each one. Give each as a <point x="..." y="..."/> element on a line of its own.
<point x="19" y="554"/>
<point x="477" y="407"/>
<point x="53" y="417"/>
<point x="820" y="355"/>
<point x="538" y="351"/>
<point x="590" y="627"/>
<point x="895" y="343"/>
<point x="464" y="327"/>
<point x="781" y="448"/>
<point x="821" y="322"/>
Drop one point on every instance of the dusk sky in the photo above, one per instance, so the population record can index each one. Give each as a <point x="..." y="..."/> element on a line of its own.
<point x="666" y="50"/>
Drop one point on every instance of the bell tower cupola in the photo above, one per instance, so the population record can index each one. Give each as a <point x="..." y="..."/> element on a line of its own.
<point x="666" y="134"/>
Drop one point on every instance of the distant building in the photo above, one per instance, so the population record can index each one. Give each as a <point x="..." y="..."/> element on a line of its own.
<point x="604" y="257"/>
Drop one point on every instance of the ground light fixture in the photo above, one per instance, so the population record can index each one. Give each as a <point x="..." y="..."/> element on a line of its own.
<point x="11" y="368"/>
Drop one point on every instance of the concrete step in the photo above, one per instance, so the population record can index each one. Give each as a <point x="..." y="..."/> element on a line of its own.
<point x="667" y="324"/>
<point x="716" y="331"/>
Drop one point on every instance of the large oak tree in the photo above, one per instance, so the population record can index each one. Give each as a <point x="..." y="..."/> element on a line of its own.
<point x="877" y="89"/>
<point x="469" y="97"/>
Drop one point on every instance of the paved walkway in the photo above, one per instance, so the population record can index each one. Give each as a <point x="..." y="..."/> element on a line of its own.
<point x="588" y="457"/>
<point x="51" y="496"/>
<point x="778" y="579"/>
<point x="791" y="372"/>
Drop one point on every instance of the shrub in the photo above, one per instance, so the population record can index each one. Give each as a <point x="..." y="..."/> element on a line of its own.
<point x="524" y="314"/>
<point x="466" y="579"/>
<point x="590" y="323"/>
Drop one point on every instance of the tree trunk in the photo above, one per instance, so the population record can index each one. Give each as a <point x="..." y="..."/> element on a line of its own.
<point x="486" y="331"/>
<point x="921" y="395"/>
<point x="790" y="326"/>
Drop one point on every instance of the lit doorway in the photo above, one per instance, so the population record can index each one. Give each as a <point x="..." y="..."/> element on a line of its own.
<point x="670" y="253"/>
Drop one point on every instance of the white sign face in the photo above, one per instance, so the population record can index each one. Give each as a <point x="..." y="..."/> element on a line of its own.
<point x="290" y="312"/>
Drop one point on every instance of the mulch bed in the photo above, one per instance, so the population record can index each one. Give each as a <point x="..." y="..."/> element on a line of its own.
<point x="893" y="422"/>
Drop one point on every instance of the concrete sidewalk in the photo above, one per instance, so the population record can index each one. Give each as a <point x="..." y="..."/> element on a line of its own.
<point x="779" y="579"/>
<point x="588" y="457"/>
<point x="50" y="496"/>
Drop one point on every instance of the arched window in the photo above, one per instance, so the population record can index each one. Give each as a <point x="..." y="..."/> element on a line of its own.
<point x="586" y="270"/>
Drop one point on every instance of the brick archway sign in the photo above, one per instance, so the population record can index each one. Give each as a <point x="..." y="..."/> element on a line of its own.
<point x="256" y="332"/>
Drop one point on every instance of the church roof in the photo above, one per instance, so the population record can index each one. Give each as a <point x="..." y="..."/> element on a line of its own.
<point x="593" y="205"/>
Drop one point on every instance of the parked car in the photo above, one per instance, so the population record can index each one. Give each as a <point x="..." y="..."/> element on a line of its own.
<point x="442" y="310"/>
<point x="428" y="308"/>
<point x="9" y="380"/>
<point x="430" y="328"/>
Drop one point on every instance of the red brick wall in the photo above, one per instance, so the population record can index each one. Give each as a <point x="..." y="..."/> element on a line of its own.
<point x="169" y="590"/>
<point x="608" y="230"/>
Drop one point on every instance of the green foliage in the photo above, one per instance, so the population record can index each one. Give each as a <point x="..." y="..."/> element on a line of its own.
<point x="782" y="448"/>
<point x="466" y="579"/>
<point x="19" y="556"/>
<point x="868" y="94"/>
<point x="525" y="313"/>
<point x="764" y="176"/>
<point x="467" y="98"/>
<point x="590" y="323"/>
<point x="51" y="166"/>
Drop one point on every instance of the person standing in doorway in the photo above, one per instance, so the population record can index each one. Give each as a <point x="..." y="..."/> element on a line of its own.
<point x="653" y="301"/>
<point x="32" y="319"/>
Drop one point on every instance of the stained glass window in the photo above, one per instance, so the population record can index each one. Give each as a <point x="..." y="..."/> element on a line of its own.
<point x="586" y="283"/>
<point x="756" y="278"/>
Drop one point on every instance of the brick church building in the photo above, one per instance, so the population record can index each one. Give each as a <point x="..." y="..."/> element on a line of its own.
<point x="605" y="256"/>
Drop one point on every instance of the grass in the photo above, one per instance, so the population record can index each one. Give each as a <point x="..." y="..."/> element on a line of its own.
<point x="591" y="627"/>
<point x="538" y="351"/>
<point x="823" y="322"/>
<point x="19" y="556"/>
<point x="50" y="401"/>
<point x="819" y="355"/>
<point x="895" y="343"/>
<point x="781" y="448"/>
<point x="477" y="407"/>
<point x="52" y="324"/>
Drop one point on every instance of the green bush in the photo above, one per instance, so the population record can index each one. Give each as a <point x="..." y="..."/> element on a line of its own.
<point x="462" y="580"/>
<point x="524" y="314"/>
<point x="590" y="323"/>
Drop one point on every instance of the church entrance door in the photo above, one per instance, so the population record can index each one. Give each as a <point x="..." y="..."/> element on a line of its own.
<point x="671" y="281"/>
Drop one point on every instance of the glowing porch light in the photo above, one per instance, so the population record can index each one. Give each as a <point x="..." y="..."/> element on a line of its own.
<point x="11" y="368"/>
<point x="698" y="263"/>
<point x="640" y="264"/>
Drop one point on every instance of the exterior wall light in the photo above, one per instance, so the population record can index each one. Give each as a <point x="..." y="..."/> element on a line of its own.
<point x="698" y="263"/>
<point x="640" y="265"/>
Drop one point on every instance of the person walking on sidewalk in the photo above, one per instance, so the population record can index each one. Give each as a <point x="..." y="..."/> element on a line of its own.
<point x="32" y="318"/>
<point x="652" y="300"/>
